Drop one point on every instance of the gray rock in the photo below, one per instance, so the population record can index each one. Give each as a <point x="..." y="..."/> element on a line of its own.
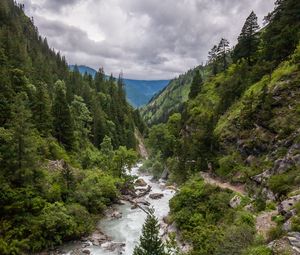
<point x="250" y="159"/>
<point x="116" y="215"/>
<point x="140" y="182"/>
<point x="249" y="208"/>
<point x="156" y="195"/>
<point x="165" y="174"/>
<point x="86" y="251"/>
<point x="285" y="206"/>
<point x="235" y="201"/>
<point x="269" y="194"/>
<point x="287" y="226"/>
<point x="294" y="239"/>
<point x="142" y="201"/>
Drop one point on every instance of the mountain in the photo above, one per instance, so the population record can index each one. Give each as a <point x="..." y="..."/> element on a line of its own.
<point x="138" y="92"/>
<point x="170" y="99"/>
<point x="84" y="69"/>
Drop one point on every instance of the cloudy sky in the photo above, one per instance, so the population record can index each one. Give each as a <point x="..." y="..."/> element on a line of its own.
<point x="146" y="39"/>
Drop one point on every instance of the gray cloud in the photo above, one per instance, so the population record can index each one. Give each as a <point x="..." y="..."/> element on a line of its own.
<point x="149" y="39"/>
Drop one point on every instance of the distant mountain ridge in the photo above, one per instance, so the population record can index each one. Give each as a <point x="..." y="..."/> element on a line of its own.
<point x="138" y="92"/>
<point x="171" y="98"/>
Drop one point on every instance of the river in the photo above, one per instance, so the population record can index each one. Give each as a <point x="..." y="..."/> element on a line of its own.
<point x="127" y="229"/>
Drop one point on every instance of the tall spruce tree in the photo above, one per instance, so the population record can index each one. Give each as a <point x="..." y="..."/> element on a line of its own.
<point x="222" y="51"/>
<point x="281" y="35"/>
<point x="248" y="40"/>
<point x="62" y="124"/>
<point x="18" y="147"/>
<point x="42" y="110"/>
<point x="212" y="59"/>
<point x="196" y="85"/>
<point x="150" y="241"/>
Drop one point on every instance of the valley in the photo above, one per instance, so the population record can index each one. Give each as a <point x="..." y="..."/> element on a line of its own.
<point x="207" y="163"/>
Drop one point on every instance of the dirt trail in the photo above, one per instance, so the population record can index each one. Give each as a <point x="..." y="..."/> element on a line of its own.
<point x="264" y="222"/>
<point x="224" y="185"/>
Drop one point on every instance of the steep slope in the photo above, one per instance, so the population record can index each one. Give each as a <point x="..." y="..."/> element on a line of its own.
<point x="170" y="99"/>
<point x="241" y="128"/>
<point x="138" y="92"/>
<point x="65" y="141"/>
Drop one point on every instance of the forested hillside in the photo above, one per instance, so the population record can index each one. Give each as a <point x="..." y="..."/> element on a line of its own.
<point x="169" y="100"/>
<point x="65" y="140"/>
<point x="241" y="126"/>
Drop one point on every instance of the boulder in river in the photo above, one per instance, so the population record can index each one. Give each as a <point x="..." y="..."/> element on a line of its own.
<point x="171" y="188"/>
<point x="141" y="201"/>
<point x="140" y="182"/>
<point x="97" y="238"/>
<point x="116" y="215"/>
<point x="156" y="195"/>
<point x="112" y="246"/>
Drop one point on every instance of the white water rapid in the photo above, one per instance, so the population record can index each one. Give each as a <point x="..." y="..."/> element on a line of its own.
<point x="126" y="229"/>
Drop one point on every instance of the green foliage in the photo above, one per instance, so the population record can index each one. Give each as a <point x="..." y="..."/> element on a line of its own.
<point x="282" y="184"/>
<point x="52" y="122"/>
<point x="196" y="85"/>
<point x="275" y="232"/>
<point x="63" y="123"/>
<point x="248" y="40"/>
<point x="259" y="250"/>
<point x="123" y="160"/>
<point x="171" y="99"/>
<point x="150" y="241"/>
<point x="296" y="219"/>
<point x="203" y="214"/>
<point x="96" y="191"/>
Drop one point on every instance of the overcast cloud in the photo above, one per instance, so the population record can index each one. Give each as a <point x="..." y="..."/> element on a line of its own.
<point x="146" y="39"/>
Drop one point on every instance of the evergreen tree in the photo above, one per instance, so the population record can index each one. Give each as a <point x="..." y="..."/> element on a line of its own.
<point x="248" y="39"/>
<point x="150" y="241"/>
<point x="82" y="119"/>
<point x="106" y="147"/>
<point x="196" y="85"/>
<point x="222" y="51"/>
<point x="18" y="149"/>
<point x="212" y="59"/>
<point x="281" y="35"/>
<point x="100" y="81"/>
<point x="63" y="126"/>
<point x="42" y="110"/>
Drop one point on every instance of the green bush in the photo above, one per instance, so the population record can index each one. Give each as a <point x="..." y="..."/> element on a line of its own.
<point x="275" y="233"/>
<point x="229" y="165"/>
<point x="96" y="191"/>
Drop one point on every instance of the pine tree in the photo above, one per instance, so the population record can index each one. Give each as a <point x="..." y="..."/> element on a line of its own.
<point x="222" y="51"/>
<point x="150" y="241"/>
<point x="248" y="39"/>
<point x="42" y="110"/>
<point x="62" y="124"/>
<point x="196" y="85"/>
<point x="281" y="35"/>
<point x="18" y="143"/>
<point x="212" y="59"/>
<point x="82" y="119"/>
